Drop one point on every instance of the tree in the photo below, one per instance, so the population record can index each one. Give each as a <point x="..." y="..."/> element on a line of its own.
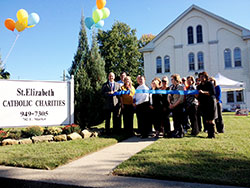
<point x="83" y="92"/>
<point x="3" y="73"/>
<point x="119" y="48"/>
<point x="143" y="41"/>
<point x="82" y="50"/>
<point x="81" y="79"/>
<point x="96" y="73"/>
<point x="88" y="69"/>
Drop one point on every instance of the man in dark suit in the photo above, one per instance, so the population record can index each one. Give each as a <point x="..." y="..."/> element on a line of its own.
<point x="112" y="103"/>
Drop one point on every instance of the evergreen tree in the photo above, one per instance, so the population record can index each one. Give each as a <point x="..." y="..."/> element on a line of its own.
<point x="82" y="50"/>
<point x="3" y="73"/>
<point x="89" y="72"/>
<point x="81" y="79"/>
<point x="83" y="92"/>
<point x="119" y="48"/>
<point x="96" y="73"/>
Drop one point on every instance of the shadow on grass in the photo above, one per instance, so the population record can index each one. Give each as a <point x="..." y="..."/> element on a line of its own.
<point x="200" y="166"/>
<point x="119" y="136"/>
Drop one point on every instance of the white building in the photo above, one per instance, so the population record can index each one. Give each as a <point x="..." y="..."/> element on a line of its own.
<point x="198" y="41"/>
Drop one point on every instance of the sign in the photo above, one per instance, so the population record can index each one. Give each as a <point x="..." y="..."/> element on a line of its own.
<point x="43" y="103"/>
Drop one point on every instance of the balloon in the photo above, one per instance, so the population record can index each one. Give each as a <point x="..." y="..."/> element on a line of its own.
<point x="97" y="15"/>
<point x="33" y="19"/>
<point x="100" y="24"/>
<point x="10" y="24"/>
<point x="89" y="22"/>
<point x="105" y="12"/>
<point x="20" y="26"/>
<point x="22" y="14"/>
<point x="100" y="4"/>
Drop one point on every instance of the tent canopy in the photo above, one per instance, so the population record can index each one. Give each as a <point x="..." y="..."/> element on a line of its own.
<point x="227" y="84"/>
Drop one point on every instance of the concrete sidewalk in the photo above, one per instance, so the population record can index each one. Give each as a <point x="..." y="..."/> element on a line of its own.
<point x="93" y="170"/>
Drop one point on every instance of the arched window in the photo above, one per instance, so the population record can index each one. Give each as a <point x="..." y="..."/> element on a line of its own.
<point x="199" y="34"/>
<point x="191" y="62"/>
<point x="190" y="35"/>
<point x="167" y="63"/>
<point x="237" y="57"/>
<point x="200" y="61"/>
<point x="227" y="58"/>
<point x="158" y="65"/>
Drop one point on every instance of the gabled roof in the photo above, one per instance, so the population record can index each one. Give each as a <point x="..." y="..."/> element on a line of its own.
<point x="150" y="46"/>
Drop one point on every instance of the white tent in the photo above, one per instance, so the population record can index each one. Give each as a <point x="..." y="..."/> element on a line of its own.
<point x="227" y="84"/>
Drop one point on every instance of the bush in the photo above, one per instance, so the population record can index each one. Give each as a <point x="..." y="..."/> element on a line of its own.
<point x="32" y="131"/>
<point x="68" y="129"/>
<point x="3" y="135"/>
<point x="52" y="130"/>
<point x="15" y="134"/>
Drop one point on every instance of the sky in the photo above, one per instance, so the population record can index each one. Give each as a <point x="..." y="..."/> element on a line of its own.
<point x="46" y="50"/>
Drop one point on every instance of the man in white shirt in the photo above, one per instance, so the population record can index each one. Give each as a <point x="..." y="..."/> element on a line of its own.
<point x="142" y="108"/>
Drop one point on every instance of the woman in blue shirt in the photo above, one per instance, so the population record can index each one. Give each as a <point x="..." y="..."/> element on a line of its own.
<point x="219" y="121"/>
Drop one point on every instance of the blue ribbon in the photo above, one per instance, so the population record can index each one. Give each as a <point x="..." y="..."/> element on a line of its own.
<point x="178" y="92"/>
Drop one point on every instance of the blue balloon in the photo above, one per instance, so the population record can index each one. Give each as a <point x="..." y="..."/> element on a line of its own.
<point x="99" y="24"/>
<point x="33" y="19"/>
<point x="89" y="22"/>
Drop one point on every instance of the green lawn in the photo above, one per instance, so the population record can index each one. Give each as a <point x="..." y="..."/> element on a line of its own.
<point x="224" y="160"/>
<point x="50" y="155"/>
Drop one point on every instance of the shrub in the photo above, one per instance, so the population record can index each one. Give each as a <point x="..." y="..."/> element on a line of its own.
<point x="3" y="135"/>
<point x="71" y="128"/>
<point x="52" y="130"/>
<point x="15" y="134"/>
<point x="32" y="131"/>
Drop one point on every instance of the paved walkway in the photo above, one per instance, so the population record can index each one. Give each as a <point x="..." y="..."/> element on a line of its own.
<point x="92" y="170"/>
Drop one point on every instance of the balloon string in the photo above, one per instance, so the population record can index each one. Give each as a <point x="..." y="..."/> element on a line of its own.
<point x="10" y="49"/>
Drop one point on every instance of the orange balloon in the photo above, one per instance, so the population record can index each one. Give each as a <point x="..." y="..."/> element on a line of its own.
<point x="100" y="4"/>
<point x="20" y="26"/>
<point x="10" y="24"/>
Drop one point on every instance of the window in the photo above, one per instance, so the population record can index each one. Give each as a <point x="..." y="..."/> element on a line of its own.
<point x="227" y="58"/>
<point x="235" y="96"/>
<point x="158" y="65"/>
<point x="239" y="96"/>
<point x="191" y="62"/>
<point x="237" y="57"/>
<point x="230" y="97"/>
<point x="190" y="35"/>
<point x="199" y="34"/>
<point x="167" y="63"/>
<point x="200" y="61"/>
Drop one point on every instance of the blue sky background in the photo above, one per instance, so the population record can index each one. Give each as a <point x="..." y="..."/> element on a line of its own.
<point x="43" y="52"/>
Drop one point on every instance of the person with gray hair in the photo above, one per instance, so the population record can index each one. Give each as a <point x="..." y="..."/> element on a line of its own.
<point x="112" y="103"/>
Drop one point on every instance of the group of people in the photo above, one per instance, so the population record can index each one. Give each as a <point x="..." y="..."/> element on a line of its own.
<point x="154" y="110"/>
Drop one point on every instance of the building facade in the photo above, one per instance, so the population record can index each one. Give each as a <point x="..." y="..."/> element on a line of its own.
<point x="198" y="41"/>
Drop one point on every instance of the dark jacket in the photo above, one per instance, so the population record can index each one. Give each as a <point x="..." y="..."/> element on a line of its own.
<point x="111" y="101"/>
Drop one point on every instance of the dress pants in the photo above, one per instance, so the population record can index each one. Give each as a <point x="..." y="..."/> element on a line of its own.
<point x="128" y="118"/>
<point x="192" y="113"/>
<point x="219" y="121"/>
<point x="116" y="119"/>
<point x="178" y="118"/>
<point x="143" y="122"/>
